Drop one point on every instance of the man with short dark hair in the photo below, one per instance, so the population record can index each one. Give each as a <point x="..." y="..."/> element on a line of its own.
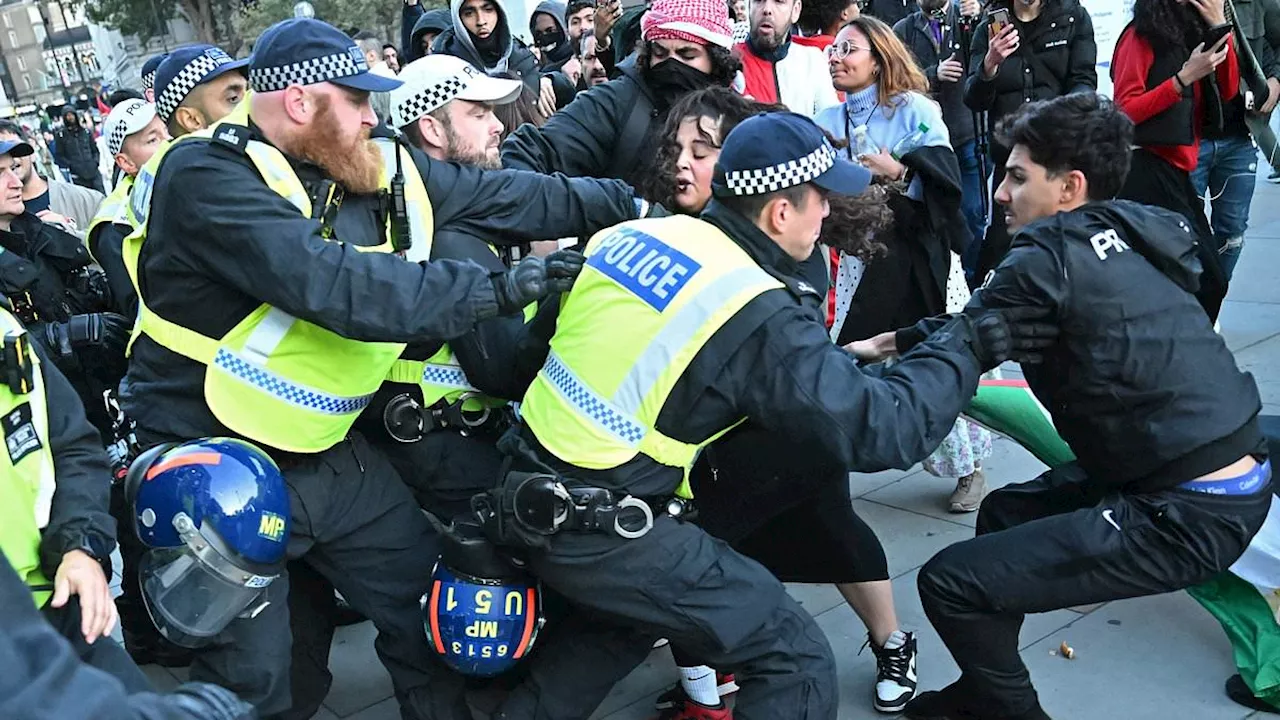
<point x="1171" y="481"/>
<point x="776" y="70"/>
<point x="580" y="17"/>
<point x="197" y="86"/>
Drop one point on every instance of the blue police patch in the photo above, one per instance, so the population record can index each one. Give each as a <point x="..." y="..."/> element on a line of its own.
<point x="652" y="270"/>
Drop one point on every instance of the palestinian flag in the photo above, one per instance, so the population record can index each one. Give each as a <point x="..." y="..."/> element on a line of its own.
<point x="1245" y="599"/>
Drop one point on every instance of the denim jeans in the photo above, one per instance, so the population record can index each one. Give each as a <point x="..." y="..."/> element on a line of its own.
<point x="1227" y="171"/>
<point x="974" y="188"/>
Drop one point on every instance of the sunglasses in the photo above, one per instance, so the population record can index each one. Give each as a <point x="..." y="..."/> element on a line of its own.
<point x="843" y="49"/>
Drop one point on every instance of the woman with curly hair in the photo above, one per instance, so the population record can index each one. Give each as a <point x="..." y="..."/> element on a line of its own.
<point x="744" y="481"/>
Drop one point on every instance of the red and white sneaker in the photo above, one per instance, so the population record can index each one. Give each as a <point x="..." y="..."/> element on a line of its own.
<point x="726" y="685"/>
<point x="690" y="710"/>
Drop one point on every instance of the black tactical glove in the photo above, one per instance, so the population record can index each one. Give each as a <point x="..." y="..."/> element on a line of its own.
<point x="209" y="702"/>
<point x="107" y="331"/>
<point x="534" y="278"/>
<point x="1020" y="334"/>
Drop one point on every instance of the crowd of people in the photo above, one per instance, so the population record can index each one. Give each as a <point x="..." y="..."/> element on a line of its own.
<point x="540" y="355"/>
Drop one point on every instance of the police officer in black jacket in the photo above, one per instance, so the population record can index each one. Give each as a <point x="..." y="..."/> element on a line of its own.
<point x="1046" y="51"/>
<point x="64" y="303"/>
<point x="1172" y="479"/>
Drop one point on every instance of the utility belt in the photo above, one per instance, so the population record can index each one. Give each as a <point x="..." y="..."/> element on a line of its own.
<point x="124" y="447"/>
<point x="407" y="420"/>
<point x="530" y="507"/>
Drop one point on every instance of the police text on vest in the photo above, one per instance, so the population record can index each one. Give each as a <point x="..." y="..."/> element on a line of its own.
<point x="649" y="268"/>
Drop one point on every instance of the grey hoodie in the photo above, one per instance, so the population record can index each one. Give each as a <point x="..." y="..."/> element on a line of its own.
<point x="502" y="32"/>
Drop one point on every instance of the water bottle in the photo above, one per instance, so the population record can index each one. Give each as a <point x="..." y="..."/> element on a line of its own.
<point x="911" y="142"/>
<point x="861" y="143"/>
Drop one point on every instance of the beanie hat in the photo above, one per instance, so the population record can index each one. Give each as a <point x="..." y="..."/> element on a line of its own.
<point x="701" y="21"/>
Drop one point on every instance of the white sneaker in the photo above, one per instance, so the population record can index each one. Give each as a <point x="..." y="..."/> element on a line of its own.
<point x="895" y="672"/>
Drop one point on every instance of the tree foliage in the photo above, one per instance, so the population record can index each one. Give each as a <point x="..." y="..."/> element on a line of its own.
<point x="380" y="16"/>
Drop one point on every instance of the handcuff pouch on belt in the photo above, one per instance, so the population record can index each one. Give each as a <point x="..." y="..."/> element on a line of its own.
<point x="408" y="421"/>
<point x="528" y="508"/>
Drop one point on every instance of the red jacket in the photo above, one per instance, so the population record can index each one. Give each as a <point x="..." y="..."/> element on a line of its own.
<point x="1131" y="63"/>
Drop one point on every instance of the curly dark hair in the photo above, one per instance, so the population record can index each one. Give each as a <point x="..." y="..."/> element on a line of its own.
<point x="818" y="16"/>
<point x="724" y="63"/>
<point x="1168" y="24"/>
<point x="857" y="221"/>
<point x="719" y="103"/>
<point x="1081" y="131"/>
<point x="524" y="109"/>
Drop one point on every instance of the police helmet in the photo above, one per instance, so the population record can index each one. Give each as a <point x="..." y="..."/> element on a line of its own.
<point x="481" y="614"/>
<point x="214" y="514"/>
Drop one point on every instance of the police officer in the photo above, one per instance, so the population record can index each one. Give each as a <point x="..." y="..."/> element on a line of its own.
<point x="134" y="132"/>
<point x="54" y="527"/>
<point x="259" y="321"/>
<point x="45" y="273"/>
<point x="198" y="85"/>
<point x="148" y="74"/>
<point x="677" y="330"/>
<point x="1171" y="481"/>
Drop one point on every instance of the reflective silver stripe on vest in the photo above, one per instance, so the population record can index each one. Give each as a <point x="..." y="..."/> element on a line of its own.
<point x="676" y="335"/>
<point x="450" y="376"/>
<point x="590" y="405"/>
<point x="418" y="251"/>
<point x="287" y="390"/>
<point x="268" y="161"/>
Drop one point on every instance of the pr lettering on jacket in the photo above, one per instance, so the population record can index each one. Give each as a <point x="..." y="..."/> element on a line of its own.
<point x="1107" y="240"/>
<point x="647" y="267"/>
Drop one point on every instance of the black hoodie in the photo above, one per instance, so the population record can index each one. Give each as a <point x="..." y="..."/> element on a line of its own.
<point x="1139" y="385"/>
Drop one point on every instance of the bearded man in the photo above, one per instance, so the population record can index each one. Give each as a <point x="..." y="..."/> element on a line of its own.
<point x="776" y="70"/>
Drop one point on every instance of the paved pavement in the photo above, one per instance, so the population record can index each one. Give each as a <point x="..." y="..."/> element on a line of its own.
<point x="1152" y="658"/>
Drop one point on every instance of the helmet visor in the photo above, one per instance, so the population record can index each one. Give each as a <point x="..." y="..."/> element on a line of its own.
<point x="190" y="602"/>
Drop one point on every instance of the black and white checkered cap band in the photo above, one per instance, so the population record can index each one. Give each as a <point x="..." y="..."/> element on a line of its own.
<point x="308" y="72"/>
<point x="116" y="139"/>
<point x="779" y="177"/>
<point x="187" y="79"/>
<point x="149" y="80"/>
<point x="428" y="99"/>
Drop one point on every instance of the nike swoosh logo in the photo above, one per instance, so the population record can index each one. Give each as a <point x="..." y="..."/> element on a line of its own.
<point x="1106" y="515"/>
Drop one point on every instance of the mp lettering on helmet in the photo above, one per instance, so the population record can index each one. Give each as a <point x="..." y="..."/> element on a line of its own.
<point x="1107" y="240"/>
<point x="649" y="268"/>
<point x="271" y="527"/>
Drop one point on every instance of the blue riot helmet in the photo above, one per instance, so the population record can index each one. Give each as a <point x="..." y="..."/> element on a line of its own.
<point x="214" y="514"/>
<point x="482" y="614"/>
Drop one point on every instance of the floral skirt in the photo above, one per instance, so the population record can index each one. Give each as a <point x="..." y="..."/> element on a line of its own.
<point x="961" y="451"/>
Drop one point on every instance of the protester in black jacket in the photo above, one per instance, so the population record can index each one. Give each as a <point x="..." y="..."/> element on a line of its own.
<point x="419" y="30"/>
<point x="490" y="47"/>
<point x="890" y="12"/>
<point x="1170" y="482"/>
<point x="1049" y="52"/>
<point x="77" y="151"/>
<point x="606" y="131"/>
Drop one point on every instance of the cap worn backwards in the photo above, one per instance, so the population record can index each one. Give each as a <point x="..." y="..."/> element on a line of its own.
<point x="779" y="150"/>
<point x="304" y="51"/>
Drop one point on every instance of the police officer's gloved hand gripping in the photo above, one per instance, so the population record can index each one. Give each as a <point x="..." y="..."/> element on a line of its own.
<point x="534" y="278"/>
<point x="1019" y="333"/>
<point x="107" y="331"/>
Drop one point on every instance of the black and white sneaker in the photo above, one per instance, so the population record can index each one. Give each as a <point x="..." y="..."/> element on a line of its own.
<point x="895" y="672"/>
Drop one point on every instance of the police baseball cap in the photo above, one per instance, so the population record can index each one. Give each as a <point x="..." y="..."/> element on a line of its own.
<point x="778" y="150"/>
<point x="303" y="51"/>
<point x="149" y="69"/>
<point x="125" y="119"/>
<point x="187" y="68"/>
<point x="16" y="148"/>
<point x="434" y="80"/>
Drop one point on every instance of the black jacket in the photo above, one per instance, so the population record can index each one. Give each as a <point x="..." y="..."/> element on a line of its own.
<point x="915" y="33"/>
<point x="77" y="151"/>
<point x="414" y="23"/>
<point x="774" y="364"/>
<point x="890" y="12"/>
<point x="1139" y="385"/>
<point x="1057" y="55"/>
<point x="106" y="242"/>
<point x="220" y="244"/>
<point x="602" y="133"/>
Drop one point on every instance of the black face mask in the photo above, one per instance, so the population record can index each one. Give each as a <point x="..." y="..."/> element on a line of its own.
<point x="549" y="39"/>
<point x="671" y="79"/>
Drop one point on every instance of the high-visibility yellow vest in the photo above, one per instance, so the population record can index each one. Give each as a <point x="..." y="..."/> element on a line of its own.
<point x="27" y="484"/>
<point x="276" y="379"/>
<point x="114" y="209"/>
<point x="653" y="292"/>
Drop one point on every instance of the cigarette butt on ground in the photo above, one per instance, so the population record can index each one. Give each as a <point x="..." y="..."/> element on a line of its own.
<point x="1066" y="651"/>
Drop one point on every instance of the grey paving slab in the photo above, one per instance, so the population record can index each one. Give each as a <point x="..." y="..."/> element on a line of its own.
<point x="1257" y="275"/>
<point x="160" y="678"/>
<point x="1244" y="324"/>
<point x="909" y="538"/>
<point x="1144" y="659"/>
<point x="1263" y="360"/>
<point x="359" y="680"/>
<point x="927" y="495"/>
<point x="861" y="484"/>
<point x="324" y="714"/>
<point x="386" y="710"/>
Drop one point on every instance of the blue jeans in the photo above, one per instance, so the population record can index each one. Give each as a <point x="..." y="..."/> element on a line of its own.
<point x="973" y="188"/>
<point x="1227" y="171"/>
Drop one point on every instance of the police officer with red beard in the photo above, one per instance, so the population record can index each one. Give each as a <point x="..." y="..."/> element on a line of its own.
<point x="261" y="319"/>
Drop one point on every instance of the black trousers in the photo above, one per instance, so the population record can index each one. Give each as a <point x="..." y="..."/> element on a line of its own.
<point x="357" y="525"/>
<point x="1059" y="541"/>
<point x="679" y="582"/>
<point x="104" y="654"/>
